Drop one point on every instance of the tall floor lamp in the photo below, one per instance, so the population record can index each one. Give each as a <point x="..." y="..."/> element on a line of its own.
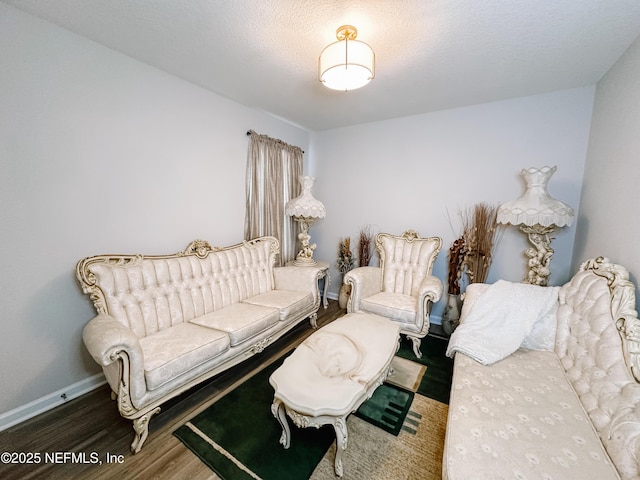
<point x="305" y="209"/>
<point x="537" y="214"/>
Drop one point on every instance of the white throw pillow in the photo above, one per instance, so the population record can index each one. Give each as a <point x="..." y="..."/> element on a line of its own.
<point x="543" y="333"/>
<point x="471" y="294"/>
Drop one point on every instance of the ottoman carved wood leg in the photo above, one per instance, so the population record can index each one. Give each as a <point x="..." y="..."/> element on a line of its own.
<point x="340" y="426"/>
<point x="280" y="411"/>
<point x="277" y="409"/>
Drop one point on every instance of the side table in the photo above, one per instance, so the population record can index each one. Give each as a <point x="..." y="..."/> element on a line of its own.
<point x="324" y="274"/>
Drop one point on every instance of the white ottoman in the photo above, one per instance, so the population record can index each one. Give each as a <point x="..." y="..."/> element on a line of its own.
<point x="332" y="373"/>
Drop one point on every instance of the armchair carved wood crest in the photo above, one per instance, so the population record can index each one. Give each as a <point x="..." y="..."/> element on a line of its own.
<point x="403" y="287"/>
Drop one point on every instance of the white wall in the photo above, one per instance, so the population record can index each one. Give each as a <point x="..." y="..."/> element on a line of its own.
<point x="417" y="172"/>
<point x="609" y="217"/>
<point x="99" y="154"/>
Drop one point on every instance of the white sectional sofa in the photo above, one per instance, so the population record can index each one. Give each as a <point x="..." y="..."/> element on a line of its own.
<point x="565" y="407"/>
<point x="167" y="322"/>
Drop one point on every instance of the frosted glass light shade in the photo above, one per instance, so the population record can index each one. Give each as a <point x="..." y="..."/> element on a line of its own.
<point x="347" y="64"/>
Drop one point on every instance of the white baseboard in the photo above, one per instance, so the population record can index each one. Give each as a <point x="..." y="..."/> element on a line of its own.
<point x="43" y="404"/>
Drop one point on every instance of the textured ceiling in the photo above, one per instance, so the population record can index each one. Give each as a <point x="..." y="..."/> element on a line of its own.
<point x="430" y="54"/>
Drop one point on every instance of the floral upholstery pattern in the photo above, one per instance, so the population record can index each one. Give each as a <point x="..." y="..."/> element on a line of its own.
<point x="568" y="412"/>
<point x="519" y="418"/>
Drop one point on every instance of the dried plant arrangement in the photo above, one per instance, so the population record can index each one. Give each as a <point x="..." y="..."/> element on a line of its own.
<point x="346" y="260"/>
<point x="365" y="246"/>
<point x="480" y="232"/>
<point x="456" y="259"/>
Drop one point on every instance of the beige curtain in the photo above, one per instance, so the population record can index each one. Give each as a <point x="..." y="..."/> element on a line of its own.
<point x="273" y="178"/>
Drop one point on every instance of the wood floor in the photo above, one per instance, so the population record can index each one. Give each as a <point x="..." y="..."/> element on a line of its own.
<point x="90" y="426"/>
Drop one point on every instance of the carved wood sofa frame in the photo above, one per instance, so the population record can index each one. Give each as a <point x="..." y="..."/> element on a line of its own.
<point x="116" y="348"/>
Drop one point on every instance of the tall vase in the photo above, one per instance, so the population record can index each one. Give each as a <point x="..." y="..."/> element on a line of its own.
<point x="451" y="314"/>
<point x="343" y="296"/>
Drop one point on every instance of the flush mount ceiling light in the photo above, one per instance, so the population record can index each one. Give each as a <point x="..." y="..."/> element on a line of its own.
<point x="348" y="63"/>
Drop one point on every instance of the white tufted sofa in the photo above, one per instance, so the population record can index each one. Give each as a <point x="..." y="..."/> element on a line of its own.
<point x="568" y="412"/>
<point x="167" y="322"/>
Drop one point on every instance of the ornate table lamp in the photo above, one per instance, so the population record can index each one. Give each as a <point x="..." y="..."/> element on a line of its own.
<point x="537" y="214"/>
<point x="305" y="209"/>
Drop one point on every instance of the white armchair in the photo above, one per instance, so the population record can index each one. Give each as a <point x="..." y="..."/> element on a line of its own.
<point x="402" y="288"/>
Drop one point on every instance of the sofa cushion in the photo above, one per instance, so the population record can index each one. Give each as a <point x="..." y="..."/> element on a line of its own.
<point x="240" y="321"/>
<point x="176" y="350"/>
<point x="398" y="306"/>
<point x="289" y="303"/>
<point x="519" y="418"/>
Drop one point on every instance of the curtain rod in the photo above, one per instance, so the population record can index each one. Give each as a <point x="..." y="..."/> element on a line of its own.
<point x="249" y="133"/>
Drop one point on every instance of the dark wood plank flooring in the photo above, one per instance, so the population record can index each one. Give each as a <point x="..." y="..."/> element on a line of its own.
<point x="90" y="425"/>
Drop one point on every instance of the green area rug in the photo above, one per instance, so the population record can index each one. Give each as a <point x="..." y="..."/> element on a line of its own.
<point x="238" y="436"/>
<point x="436" y="382"/>
<point x="387" y="408"/>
